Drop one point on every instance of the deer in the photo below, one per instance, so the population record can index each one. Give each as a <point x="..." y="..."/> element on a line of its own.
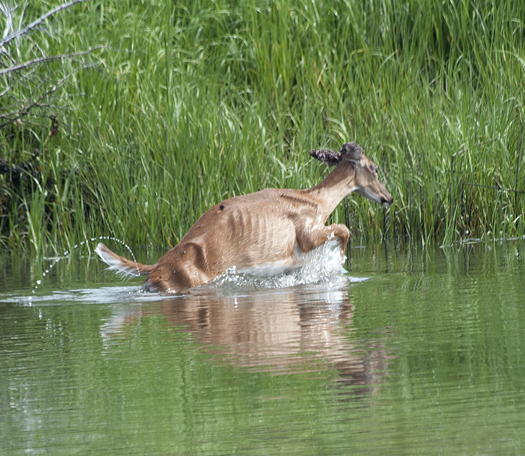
<point x="262" y="233"/>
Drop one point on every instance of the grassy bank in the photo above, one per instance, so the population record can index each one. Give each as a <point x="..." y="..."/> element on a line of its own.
<point x="200" y="100"/>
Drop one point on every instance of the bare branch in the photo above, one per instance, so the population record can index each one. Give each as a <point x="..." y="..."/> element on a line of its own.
<point x="34" y="24"/>
<point x="51" y="58"/>
<point x="33" y="86"/>
<point x="37" y="101"/>
<point x="23" y="77"/>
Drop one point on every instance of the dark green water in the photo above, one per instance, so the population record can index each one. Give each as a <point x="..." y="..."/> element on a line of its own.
<point x="425" y="357"/>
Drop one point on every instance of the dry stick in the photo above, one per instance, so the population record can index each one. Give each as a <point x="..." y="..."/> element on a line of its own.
<point x="38" y="22"/>
<point x="36" y="102"/>
<point x="22" y="78"/>
<point x="52" y="58"/>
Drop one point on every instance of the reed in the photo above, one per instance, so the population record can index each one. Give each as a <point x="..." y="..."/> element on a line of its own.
<point x="201" y="100"/>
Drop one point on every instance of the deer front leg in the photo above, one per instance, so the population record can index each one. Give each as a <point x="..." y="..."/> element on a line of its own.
<point x="309" y="239"/>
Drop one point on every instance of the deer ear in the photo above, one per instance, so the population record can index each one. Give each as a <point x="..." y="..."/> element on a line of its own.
<point x="352" y="151"/>
<point x="330" y="157"/>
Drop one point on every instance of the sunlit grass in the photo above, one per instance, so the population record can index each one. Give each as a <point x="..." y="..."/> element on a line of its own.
<point x="201" y="100"/>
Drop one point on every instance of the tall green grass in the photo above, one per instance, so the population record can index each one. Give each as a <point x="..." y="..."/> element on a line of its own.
<point x="201" y="100"/>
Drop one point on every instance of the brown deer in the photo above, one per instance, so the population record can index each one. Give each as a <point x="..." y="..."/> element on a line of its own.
<point x="264" y="232"/>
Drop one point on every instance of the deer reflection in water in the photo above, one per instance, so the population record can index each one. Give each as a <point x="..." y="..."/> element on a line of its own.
<point x="281" y="331"/>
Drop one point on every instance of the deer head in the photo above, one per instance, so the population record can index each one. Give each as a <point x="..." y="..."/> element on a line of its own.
<point x="366" y="180"/>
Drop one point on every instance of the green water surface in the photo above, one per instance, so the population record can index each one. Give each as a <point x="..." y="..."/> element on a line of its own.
<point x="424" y="357"/>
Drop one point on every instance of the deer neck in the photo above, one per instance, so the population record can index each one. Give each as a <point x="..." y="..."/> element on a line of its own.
<point x="335" y="187"/>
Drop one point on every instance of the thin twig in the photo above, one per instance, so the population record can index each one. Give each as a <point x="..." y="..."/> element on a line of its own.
<point x="52" y="58"/>
<point x="37" y="22"/>
<point x="37" y="102"/>
<point x="24" y="76"/>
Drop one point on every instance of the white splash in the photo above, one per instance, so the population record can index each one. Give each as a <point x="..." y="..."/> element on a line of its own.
<point x="322" y="265"/>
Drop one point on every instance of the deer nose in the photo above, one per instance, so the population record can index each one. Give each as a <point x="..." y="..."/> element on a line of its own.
<point x="387" y="202"/>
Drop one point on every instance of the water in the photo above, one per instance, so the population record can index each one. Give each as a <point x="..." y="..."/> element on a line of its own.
<point x="419" y="351"/>
<point x="66" y="253"/>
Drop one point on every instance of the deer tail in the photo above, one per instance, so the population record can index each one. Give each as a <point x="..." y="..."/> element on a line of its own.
<point x="120" y="264"/>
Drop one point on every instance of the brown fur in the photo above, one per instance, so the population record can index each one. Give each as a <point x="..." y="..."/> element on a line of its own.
<point x="272" y="227"/>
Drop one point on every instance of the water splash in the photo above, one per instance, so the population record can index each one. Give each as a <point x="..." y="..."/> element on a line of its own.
<point x="323" y="264"/>
<point x="77" y="246"/>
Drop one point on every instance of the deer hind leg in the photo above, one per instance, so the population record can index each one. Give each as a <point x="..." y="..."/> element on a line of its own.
<point x="180" y="269"/>
<point x="313" y="238"/>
